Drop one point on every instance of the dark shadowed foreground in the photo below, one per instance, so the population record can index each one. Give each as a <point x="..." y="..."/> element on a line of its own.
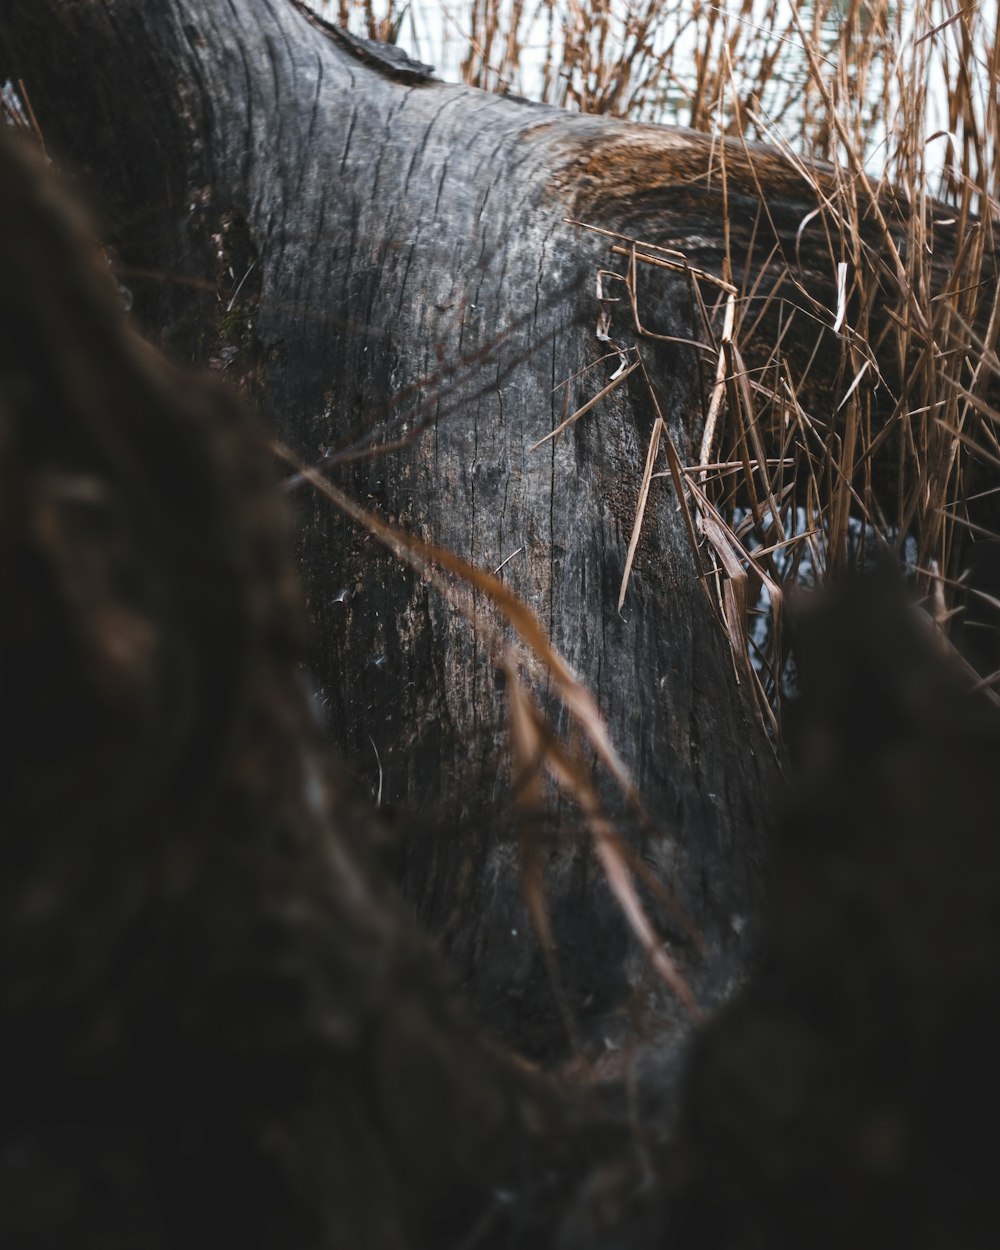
<point x="393" y="270"/>
<point x="387" y="268"/>
<point x="220" y="1028"/>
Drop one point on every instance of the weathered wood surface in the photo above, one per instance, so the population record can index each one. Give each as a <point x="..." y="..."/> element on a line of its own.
<point x="384" y="258"/>
<point x="388" y="258"/>
<point x="219" y="1024"/>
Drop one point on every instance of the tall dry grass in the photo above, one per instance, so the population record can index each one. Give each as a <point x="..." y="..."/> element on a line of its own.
<point x="903" y="452"/>
<point x="902" y="100"/>
<point x="792" y="484"/>
<point x="739" y="66"/>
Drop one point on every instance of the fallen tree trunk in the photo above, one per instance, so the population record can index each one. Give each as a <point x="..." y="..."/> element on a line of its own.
<point x="219" y="1026"/>
<point x="386" y="262"/>
<point x="170" y="831"/>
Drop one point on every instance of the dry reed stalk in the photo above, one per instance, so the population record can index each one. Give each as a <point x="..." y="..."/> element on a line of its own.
<point x="793" y="481"/>
<point x="917" y="318"/>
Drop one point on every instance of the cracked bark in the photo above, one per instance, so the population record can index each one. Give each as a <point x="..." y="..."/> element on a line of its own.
<point x="411" y="260"/>
<point x="213" y="1005"/>
<point x="219" y="1025"/>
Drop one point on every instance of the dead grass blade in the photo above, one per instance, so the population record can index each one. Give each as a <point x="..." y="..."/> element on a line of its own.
<point x="429" y="560"/>
<point x="640" y="511"/>
<point x="572" y="419"/>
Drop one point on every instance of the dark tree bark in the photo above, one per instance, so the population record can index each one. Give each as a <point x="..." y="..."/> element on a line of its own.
<point x="220" y="1026"/>
<point x="388" y="258"/>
